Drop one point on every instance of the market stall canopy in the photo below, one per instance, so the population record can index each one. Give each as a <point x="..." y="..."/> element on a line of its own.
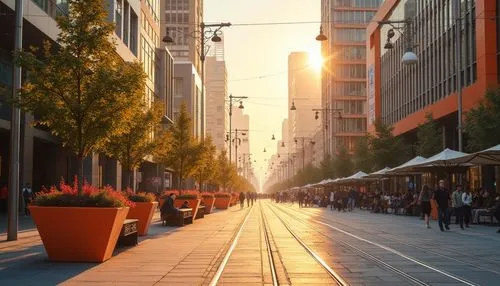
<point x="379" y="174"/>
<point x="406" y="167"/>
<point x="356" y="178"/>
<point x="489" y="156"/>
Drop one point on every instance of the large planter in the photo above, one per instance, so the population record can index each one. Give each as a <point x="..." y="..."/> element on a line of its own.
<point x="222" y="203"/>
<point x="193" y="204"/>
<point x="209" y="204"/>
<point x="79" y="234"/>
<point x="143" y="211"/>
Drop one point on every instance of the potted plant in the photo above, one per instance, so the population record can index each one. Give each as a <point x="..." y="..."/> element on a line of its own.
<point x="79" y="227"/>
<point x="143" y="210"/>
<point x="192" y="199"/>
<point x="222" y="200"/>
<point x="209" y="201"/>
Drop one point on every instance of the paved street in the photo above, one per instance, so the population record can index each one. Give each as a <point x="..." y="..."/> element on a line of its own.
<point x="278" y="243"/>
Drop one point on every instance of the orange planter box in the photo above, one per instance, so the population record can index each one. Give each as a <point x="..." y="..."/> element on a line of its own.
<point x="143" y="211"/>
<point x="193" y="204"/>
<point x="79" y="234"/>
<point x="222" y="203"/>
<point x="209" y="204"/>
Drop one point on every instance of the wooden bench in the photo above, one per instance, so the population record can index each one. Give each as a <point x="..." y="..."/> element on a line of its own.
<point x="128" y="234"/>
<point x="201" y="212"/>
<point x="183" y="216"/>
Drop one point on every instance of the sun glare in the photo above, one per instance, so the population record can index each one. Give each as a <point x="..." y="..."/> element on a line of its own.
<point x="315" y="59"/>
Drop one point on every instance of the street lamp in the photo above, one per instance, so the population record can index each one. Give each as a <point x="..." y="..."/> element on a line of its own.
<point x="293" y="108"/>
<point x="231" y="97"/>
<point x="321" y="37"/>
<point x="273" y="138"/>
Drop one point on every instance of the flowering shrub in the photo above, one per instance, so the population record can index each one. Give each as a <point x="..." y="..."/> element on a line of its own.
<point x="222" y="195"/>
<point x="67" y="196"/>
<point x="166" y="193"/>
<point x="140" y="197"/>
<point x="187" y="197"/>
<point x="207" y="195"/>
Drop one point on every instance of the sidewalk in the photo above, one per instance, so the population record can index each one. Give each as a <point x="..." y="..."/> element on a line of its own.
<point x="167" y="255"/>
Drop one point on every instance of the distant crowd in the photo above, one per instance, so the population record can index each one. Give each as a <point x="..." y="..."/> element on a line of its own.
<point x="467" y="207"/>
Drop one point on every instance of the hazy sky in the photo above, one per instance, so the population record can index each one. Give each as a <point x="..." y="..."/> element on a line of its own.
<point x="256" y="51"/>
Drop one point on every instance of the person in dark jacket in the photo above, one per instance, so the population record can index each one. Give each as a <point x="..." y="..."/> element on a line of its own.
<point x="168" y="206"/>
<point x="242" y="200"/>
<point x="496" y="210"/>
<point x="442" y="195"/>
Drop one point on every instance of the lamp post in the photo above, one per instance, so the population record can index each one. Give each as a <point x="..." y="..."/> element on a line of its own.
<point x="332" y="111"/>
<point x="237" y="141"/>
<point x="207" y="32"/>
<point x="303" y="149"/>
<point x="231" y="97"/>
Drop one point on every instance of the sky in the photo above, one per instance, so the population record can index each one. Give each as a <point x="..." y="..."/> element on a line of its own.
<point x="253" y="53"/>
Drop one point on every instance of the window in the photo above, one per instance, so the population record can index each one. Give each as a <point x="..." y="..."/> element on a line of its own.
<point x="178" y="87"/>
<point x="118" y="18"/>
<point x="350" y="35"/>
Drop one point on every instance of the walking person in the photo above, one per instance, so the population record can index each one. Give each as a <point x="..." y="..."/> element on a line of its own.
<point x="242" y="200"/>
<point x="351" y="201"/>
<point x="457" y="204"/>
<point x="249" y="198"/>
<point x="424" y="200"/>
<point x="442" y="195"/>
<point x="28" y="197"/>
<point x="467" y="206"/>
<point x="332" y="200"/>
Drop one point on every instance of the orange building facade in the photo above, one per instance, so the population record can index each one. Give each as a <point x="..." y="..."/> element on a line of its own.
<point x="401" y="95"/>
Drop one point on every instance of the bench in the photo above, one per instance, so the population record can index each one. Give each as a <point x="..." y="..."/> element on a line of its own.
<point x="128" y="234"/>
<point x="183" y="216"/>
<point x="201" y="212"/>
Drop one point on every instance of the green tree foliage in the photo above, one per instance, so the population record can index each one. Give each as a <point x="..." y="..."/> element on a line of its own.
<point x="482" y="123"/>
<point x="387" y="150"/>
<point x="205" y="170"/>
<point x="342" y="162"/>
<point x="181" y="151"/>
<point x="362" y="158"/>
<point x="429" y="137"/>
<point x="81" y="90"/>
<point x="139" y="140"/>
<point x="327" y="167"/>
<point x="225" y="173"/>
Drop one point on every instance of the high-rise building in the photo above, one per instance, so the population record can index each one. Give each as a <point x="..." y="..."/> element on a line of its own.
<point x="216" y="94"/>
<point x="240" y="122"/>
<point x="401" y="95"/>
<point x="304" y="92"/>
<point x="182" y="22"/>
<point x="344" y="76"/>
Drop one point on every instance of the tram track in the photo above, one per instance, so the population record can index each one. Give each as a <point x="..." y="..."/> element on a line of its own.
<point x="426" y="250"/>
<point x="333" y="274"/>
<point x="415" y="280"/>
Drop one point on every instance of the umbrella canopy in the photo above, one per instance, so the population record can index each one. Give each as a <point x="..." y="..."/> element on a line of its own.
<point x="445" y="158"/>
<point x="405" y="167"/>
<point x="489" y="156"/>
<point x="379" y="174"/>
<point x="356" y="178"/>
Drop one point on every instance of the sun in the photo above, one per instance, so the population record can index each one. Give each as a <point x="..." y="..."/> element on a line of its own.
<point x="315" y="59"/>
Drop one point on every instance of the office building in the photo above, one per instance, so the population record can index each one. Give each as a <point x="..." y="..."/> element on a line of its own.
<point x="344" y="75"/>
<point x="217" y="115"/>
<point x="401" y="95"/>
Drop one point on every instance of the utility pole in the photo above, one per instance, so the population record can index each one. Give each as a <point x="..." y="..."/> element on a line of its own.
<point x="15" y="134"/>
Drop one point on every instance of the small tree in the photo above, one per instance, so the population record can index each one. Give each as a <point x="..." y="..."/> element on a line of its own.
<point x="430" y="140"/>
<point x="327" y="167"/>
<point x="184" y="152"/>
<point x="205" y="169"/>
<point x="362" y="158"/>
<point x="226" y="172"/>
<point x="139" y="140"/>
<point x="482" y="123"/>
<point x="387" y="150"/>
<point x="342" y="162"/>
<point x="83" y="92"/>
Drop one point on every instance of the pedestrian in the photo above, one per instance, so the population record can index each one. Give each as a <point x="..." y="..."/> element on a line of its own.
<point x="28" y="197"/>
<point x="467" y="206"/>
<point x="254" y="197"/>
<point x="332" y="200"/>
<point x="4" y="195"/>
<point x="442" y="195"/>
<point x="424" y="200"/>
<point x="242" y="200"/>
<point x="496" y="210"/>
<point x="351" y="200"/>
<point x="249" y="198"/>
<point x="457" y="204"/>
<point x="300" y="196"/>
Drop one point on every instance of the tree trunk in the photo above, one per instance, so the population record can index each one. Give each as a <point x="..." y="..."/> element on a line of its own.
<point x="80" y="161"/>
<point x="129" y="177"/>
